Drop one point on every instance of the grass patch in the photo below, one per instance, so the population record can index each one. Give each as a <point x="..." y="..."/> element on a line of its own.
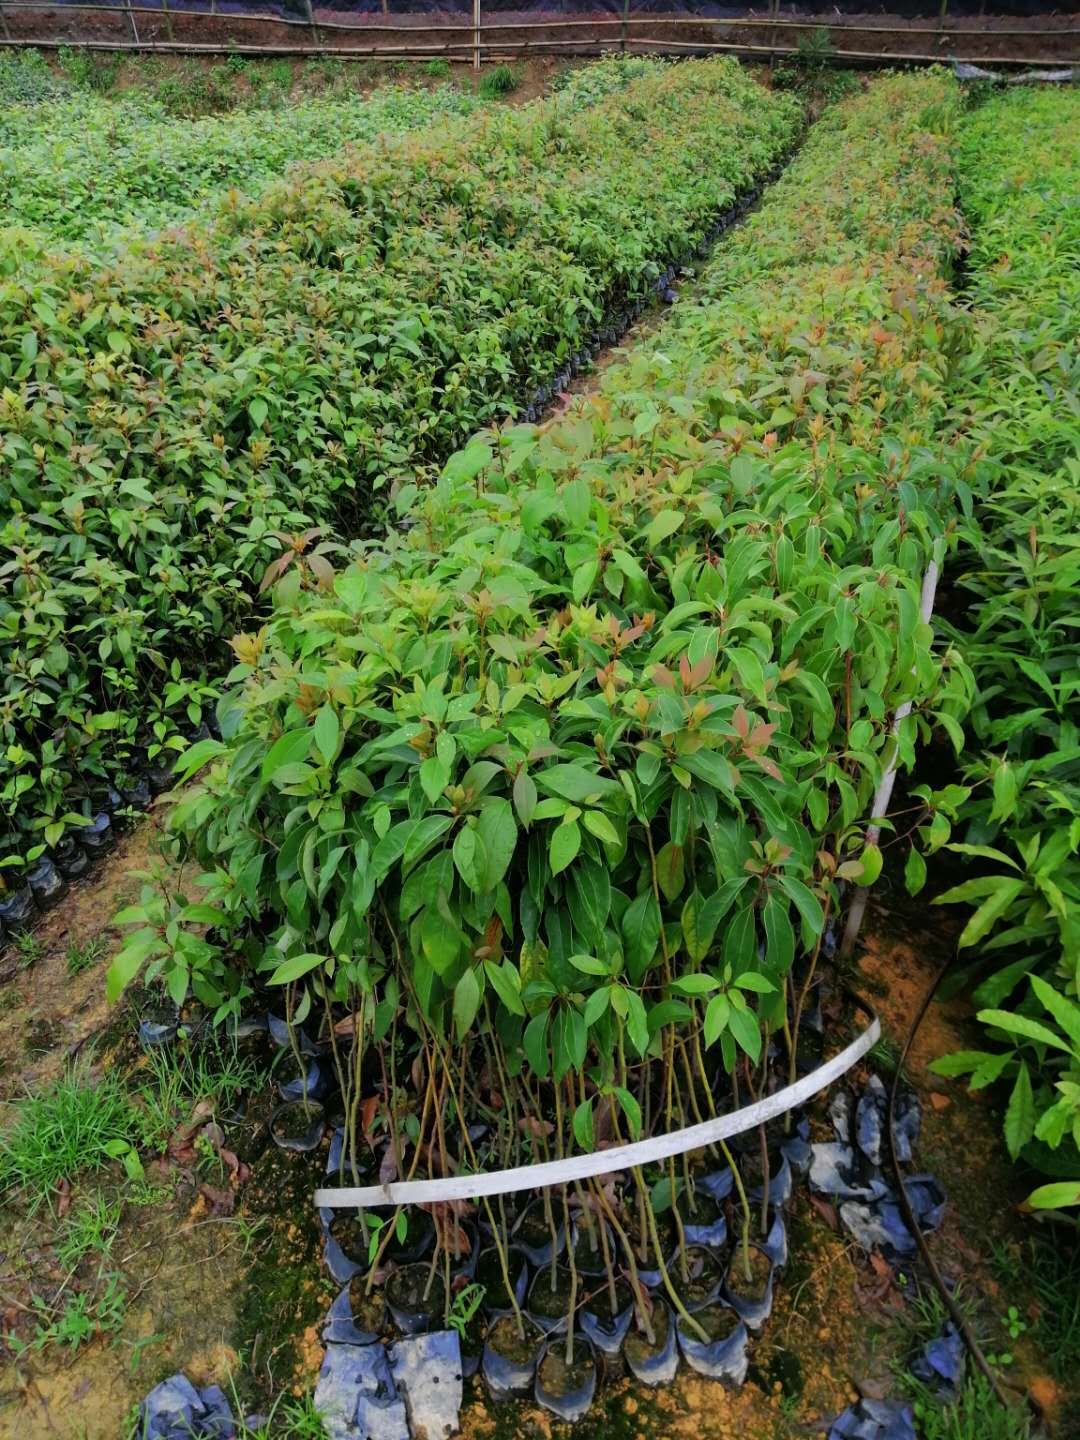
<point x="502" y="80"/>
<point x="75" y="1125"/>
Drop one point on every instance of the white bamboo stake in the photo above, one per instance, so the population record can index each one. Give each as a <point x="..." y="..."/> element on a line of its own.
<point x="883" y="795"/>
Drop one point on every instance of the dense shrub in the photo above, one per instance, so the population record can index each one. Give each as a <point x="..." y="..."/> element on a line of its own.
<point x="573" y="763"/>
<point x="1019" y="576"/>
<point x="95" y="171"/>
<point x="175" y="421"/>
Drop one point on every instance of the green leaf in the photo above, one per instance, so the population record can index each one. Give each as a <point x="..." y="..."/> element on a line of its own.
<point x="564" y="845"/>
<point x="327" y="733"/>
<point x="990" y="911"/>
<point x="440" y="942"/>
<point x="694" y="984"/>
<point x="871" y="861"/>
<point x="743" y="1024"/>
<point x="575" y="783"/>
<point x="631" y="1109"/>
<point x="914" y="871"/>
<point x="534" y="1043"/>
<point x="524" y="796"/>
<point x="779" y="935"/>
<point x="716" y="1018"/>
<point x="806" y="902"/>
<point x="663" y="524"/>
<point x="670" y="870"/>
<point x="291" y="748"/>
<point x="583" y="1125"/>
<point x="1064" y="1011"/>
<point x="599" y="825"/>
<point x="1058" y="1196"/>
<point x="1021" y="1025"/>
<point x="293" y="968"/>
<point x="258" y="410"/>
<point x="1020" y="1113"/>
<point x="466" y="1002"/>
<point x="506" y="982"/>
<point x="496" y="830"/>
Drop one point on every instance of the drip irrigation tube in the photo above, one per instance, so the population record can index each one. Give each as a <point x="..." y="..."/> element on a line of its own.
<point x="955" y="1313"/>
<point x="618" y="1157"/>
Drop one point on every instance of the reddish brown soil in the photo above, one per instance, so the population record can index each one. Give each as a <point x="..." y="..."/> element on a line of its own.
<point x="1051" y="38"/>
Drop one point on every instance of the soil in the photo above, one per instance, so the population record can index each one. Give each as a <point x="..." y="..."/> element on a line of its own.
<point x="557" y="1377"/>
<point x="637" y="1344"/>
<point x="351" y="1234"/>
<point x="549" y="1303"/>
<point x="589" y="1252"/>
<point x="704" y="1275"/>
<point x="51" y="1016"/>
<point x="293" y="1122"/>
<point x="504" y="1339"/>
<point x="415" y="1289"/>
<point x="1037" y="38"/>
<point x="533" y="1228"/>
<point x="750" y="1286"/>
<point x="600" y="1302"/>
<point x="717" y="1320"/>
<point x="368" y="1310"/>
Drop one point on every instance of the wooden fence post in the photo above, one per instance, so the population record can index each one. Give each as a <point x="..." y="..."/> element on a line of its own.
<point x="476" y="34"/>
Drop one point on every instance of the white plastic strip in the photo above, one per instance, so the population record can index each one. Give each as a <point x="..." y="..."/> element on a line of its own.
<point x="603" y="1162"/>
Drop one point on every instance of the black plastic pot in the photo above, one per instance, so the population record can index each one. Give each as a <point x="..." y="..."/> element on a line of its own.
<point x="414" y="1311"/>
<point x="46" y="882"/>
<point x="723" y="1358"/>
<point x="532" y="1235"/>
<point x="648" y="1269"/>
<point x="708" y="1226"/>
<point x="509" y="1362"/>
<point x="755" y="1306"/>
<point x="296" y="1126"/>
<point x="706" y="1278"/>
<point x="567" y="1393"/>
<point x="607" y="1329"/>
<point x="71" y="860"/>
<point x="488" y="1273"/>
<point x="279" y="1033"/>
<point x="355" y="1318"/>
<point x="313" y="1084"/>
<point x="347" y="1244"/>
<point x="656" y="1363"/>
<point x="548" y="1309"/>
<point x="98" y="837"/>
<point x="137" y="794"/>
<point x="18" y="911"/>
<point x="419" y="1238"/>
<point x="589" y="1259"/>
<point x="781" y="1181"/>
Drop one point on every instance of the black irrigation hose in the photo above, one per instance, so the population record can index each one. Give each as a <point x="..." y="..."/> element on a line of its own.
<point x="955" y="1313"/>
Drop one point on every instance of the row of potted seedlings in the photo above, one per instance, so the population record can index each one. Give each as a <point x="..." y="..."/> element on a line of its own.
<point x="546" y="1288"/>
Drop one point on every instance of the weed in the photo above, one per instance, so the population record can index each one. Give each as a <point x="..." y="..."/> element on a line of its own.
<point x="81" y="957"/>
<point x="500" y="81"/>
<point x="90" y="70"/>
<point x="1051" y="1270"/>
<point x="29" y="948"/>
<point x="183" y="1075"/>
<point x="437" y="69"/>
<point x="82" y="1319"/>
<point x="976" y="1414"/>
<point x="70" y="1127"/>
<point x="25" y="78"/>
<point x="466" y="1303"/>
<point x="88" y="1229"/>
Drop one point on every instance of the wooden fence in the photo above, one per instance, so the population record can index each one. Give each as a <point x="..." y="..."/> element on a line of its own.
<point x="36" y="23"/>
